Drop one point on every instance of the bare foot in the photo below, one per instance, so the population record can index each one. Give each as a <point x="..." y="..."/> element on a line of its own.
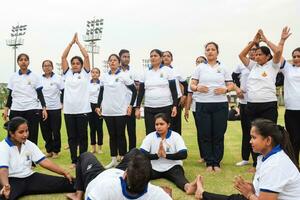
<point x="72" y="196"/>
<point x="209" y="169"/>
<point x="201" y="160"/>
<point x="252" y="170"/>
<point x="73" y="166"/>
<point x="55" y="155"/>
<point x="217" y="169"/>
<point x="190" y="188"/>
<point x="49" y="155"/>
<point x="200" y="189"/>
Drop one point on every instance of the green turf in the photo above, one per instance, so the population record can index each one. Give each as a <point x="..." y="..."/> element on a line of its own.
<point x="220" y="182"/>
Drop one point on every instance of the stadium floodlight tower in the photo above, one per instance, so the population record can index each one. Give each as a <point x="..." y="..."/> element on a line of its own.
<point x="16" y="40"/>
<point x="94" y="30"/>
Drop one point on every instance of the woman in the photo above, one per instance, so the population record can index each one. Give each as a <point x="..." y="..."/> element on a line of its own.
<point x="277" y="176"/>
<point x="262" y="100"/>
<point x="50" y="127"/>
<point x="291" y="98"/>
<point x="16" y="176"/>
<point x="76" y="99"/>
<point x="113" y="106"/>
<point x="166" y="150"/>
<point x="95" y="121"/>
<point x="25" y="97"/>
<point x="191" y="104"/>
<point x="211" y="81"/>
<point x="159" y="87"/>
<point x="181" y="82"/>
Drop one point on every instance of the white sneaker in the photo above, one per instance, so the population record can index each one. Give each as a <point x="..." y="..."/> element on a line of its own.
<point x="112" y="164"/>
<point x="242" y="163"/>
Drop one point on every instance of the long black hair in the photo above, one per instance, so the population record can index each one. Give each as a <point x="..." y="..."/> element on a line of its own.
<point x="278" y="134"/>
<point x="13" y="125"/>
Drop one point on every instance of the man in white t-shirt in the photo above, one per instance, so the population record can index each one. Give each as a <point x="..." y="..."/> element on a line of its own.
<point x="129" y="180"/>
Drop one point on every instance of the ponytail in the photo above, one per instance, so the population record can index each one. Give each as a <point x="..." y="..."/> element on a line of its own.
<point x="278" y="134"/>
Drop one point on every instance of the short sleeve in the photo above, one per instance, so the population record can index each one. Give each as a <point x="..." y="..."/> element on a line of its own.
<point x="237" y="69"/>
<point x="276" y="183"/>
<point x="142" y="76"/>
<point x="4" y="158"/>
<point x="196" y="73"/>
<point x="189" y="86"/>
<point x="38" y="81"/>
<point x="10" y="84"/>
<point x="126" y="79"/>
<point x="251" y="64"/>
<point x="227" y="74"/>
<point x="146" y="144"/>
<point x="169" y="73"/>
<point x="37" y="154"/>
<point x="276" y="65"/>
<point x="179" y="142"/>
<point x="61" y="83"/>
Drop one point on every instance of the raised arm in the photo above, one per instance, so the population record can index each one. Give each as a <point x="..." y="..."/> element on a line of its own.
<point x="86" y="60"/>
<point x="243" y="55"/>
<point x="64" y="62"/>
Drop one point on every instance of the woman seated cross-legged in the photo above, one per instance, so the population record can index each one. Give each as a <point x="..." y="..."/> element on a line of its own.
<point x="166" y="150"/>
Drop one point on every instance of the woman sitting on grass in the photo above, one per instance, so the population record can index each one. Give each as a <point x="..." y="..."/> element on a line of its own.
<point x="277" y="176"/>
<point x="16" y="175"/>
<point x="166" y="150"/>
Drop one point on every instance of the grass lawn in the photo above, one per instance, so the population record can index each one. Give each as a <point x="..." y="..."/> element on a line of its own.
<point x="214" y="182"/>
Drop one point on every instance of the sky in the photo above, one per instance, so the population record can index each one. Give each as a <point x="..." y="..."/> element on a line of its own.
<point x="182" y="27"/>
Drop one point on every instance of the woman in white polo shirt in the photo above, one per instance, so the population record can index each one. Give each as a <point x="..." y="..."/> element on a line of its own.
<point x="113" y="106"/>
<point x="277" y="175"/>
<point x="292" y="100"/>
<point x="181" y="82"/>
<point x="16" y="176"/>
<point x="261" y="89"/>
<point x="95" y="121"/>
<point x="25" y="97"/>
<point x="52" y="86"/>
<point x="211" y="81"/>
<point x="159" y="87"/>
<point x="76" y="99"/>
<point x="166" y="150"/>
<point x="191" y="105"/>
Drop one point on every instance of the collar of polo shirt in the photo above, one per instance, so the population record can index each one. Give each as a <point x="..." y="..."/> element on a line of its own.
<point x="118" y="71"/>
<point x="52" y="74"/>
<point x="160" y="66"/>
<point x="97" y="81"/>
<point x="28" y="71"/>
<point x="167" y="136"/>
<point x="275" y="150"/>
<point x="218" y="62"/>
<point x="9" y="142"/>
<point x="130" y="196"/>
<point x="126" y="67"/>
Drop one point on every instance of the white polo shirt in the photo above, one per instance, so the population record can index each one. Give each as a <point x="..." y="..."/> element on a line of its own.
<point x="19" y="163"/>
<point x="115" y="101"/>
<point x="23" y="87"/>
<point x="172" y="144"/>
<point x="261" y="82"/>
<point x="134" y="77"/>
<point x="94" y="89"/>
<point x="76" y="93"/>
<point x="244" y="71"/>
<point x="109" y="185"/>
<point x="212" y="77"/>
<point x="194" y="94"/>
<point x="291" y="86"/>
<point x="277" y="174"/>
<point x="178" y="78"/>
<point x="157" y="90"/>
<point x="52" y="87"/>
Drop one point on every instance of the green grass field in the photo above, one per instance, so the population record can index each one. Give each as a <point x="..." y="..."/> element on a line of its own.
<point x="214" y="182"/>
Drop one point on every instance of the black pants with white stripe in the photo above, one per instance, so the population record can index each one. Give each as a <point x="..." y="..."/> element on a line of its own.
<point x="292" y="124"/>
<point x="76" y="125"/>
<point x="246" y="126"/>
<point x="175" y="175"/>
<point x="33" y="117"/>
<point x="116" y="130"/>
<point x="149" y="116"/>
<point x="212" y="196"/>
<point x="212" y="125"/>
<point x="266" y="110"/>
<point x="176" y="121"/>
<point x="51" y="131"/>
<point x="38" y="183"/>
<point x="96" y="126"/>
<point x="88" y="167"/>
<point x="131" y="129"/>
